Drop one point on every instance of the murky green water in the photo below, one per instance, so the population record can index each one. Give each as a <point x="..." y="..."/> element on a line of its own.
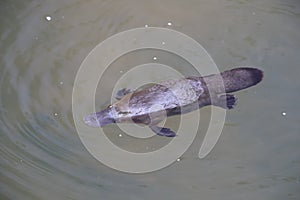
<point x="42" y="46"/>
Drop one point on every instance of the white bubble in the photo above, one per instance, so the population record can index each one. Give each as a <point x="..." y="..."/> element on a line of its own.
<point x="163" y="43"/>
<point x="55" y="114"/>
<point x="146" y="25"/>
<point x="178" y="159"/>
<point x="61" y="83"/>
<point x="120" y="135"/>
<point x="48" y="18"/>
<point x="283" y="113"/>
<point x="169" y="23"/>
<point x="154" y="58"/>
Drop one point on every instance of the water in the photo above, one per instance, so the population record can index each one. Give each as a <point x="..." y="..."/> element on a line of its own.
<point x="42" y="47"/>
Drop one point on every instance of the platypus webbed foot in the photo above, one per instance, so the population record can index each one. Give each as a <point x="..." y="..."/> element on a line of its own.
<point x="163" y="131"/>
<point x="227" y="101"/>
<point x="121" y="93"/>
<point x="231" y="101"/>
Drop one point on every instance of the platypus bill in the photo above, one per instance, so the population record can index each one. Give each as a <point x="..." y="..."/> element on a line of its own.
<point x="152" y="104"/>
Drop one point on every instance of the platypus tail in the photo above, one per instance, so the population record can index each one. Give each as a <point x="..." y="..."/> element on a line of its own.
<point x="241" y="78"/>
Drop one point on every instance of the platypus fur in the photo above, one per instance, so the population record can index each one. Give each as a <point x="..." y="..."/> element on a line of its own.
<point x="153" y="104"/>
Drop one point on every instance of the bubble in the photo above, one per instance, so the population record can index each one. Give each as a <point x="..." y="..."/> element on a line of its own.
<point x="55" y="114"/>
<point x="154" y="58"/>
<point x="178" y="159"/>
<point x="48" y="18"/>
<point x="146" y="26"/>
<point x="120" y="135"/>
<point x="169" y="23"/>
<point x="283" y="113"/>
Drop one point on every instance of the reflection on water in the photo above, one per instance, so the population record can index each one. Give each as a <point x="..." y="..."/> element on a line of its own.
<point x="42" y="47"/>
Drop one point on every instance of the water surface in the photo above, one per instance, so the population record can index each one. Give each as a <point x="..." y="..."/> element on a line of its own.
<point x="42" y="47"/>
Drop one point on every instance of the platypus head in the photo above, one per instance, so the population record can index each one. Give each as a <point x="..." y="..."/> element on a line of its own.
<point x="100" y="119"/>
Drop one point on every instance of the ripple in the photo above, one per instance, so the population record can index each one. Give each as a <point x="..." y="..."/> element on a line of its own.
<point x="39" y="145"/>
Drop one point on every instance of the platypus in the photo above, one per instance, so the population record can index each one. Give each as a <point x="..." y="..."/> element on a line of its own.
<point x="154" y="103"/>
